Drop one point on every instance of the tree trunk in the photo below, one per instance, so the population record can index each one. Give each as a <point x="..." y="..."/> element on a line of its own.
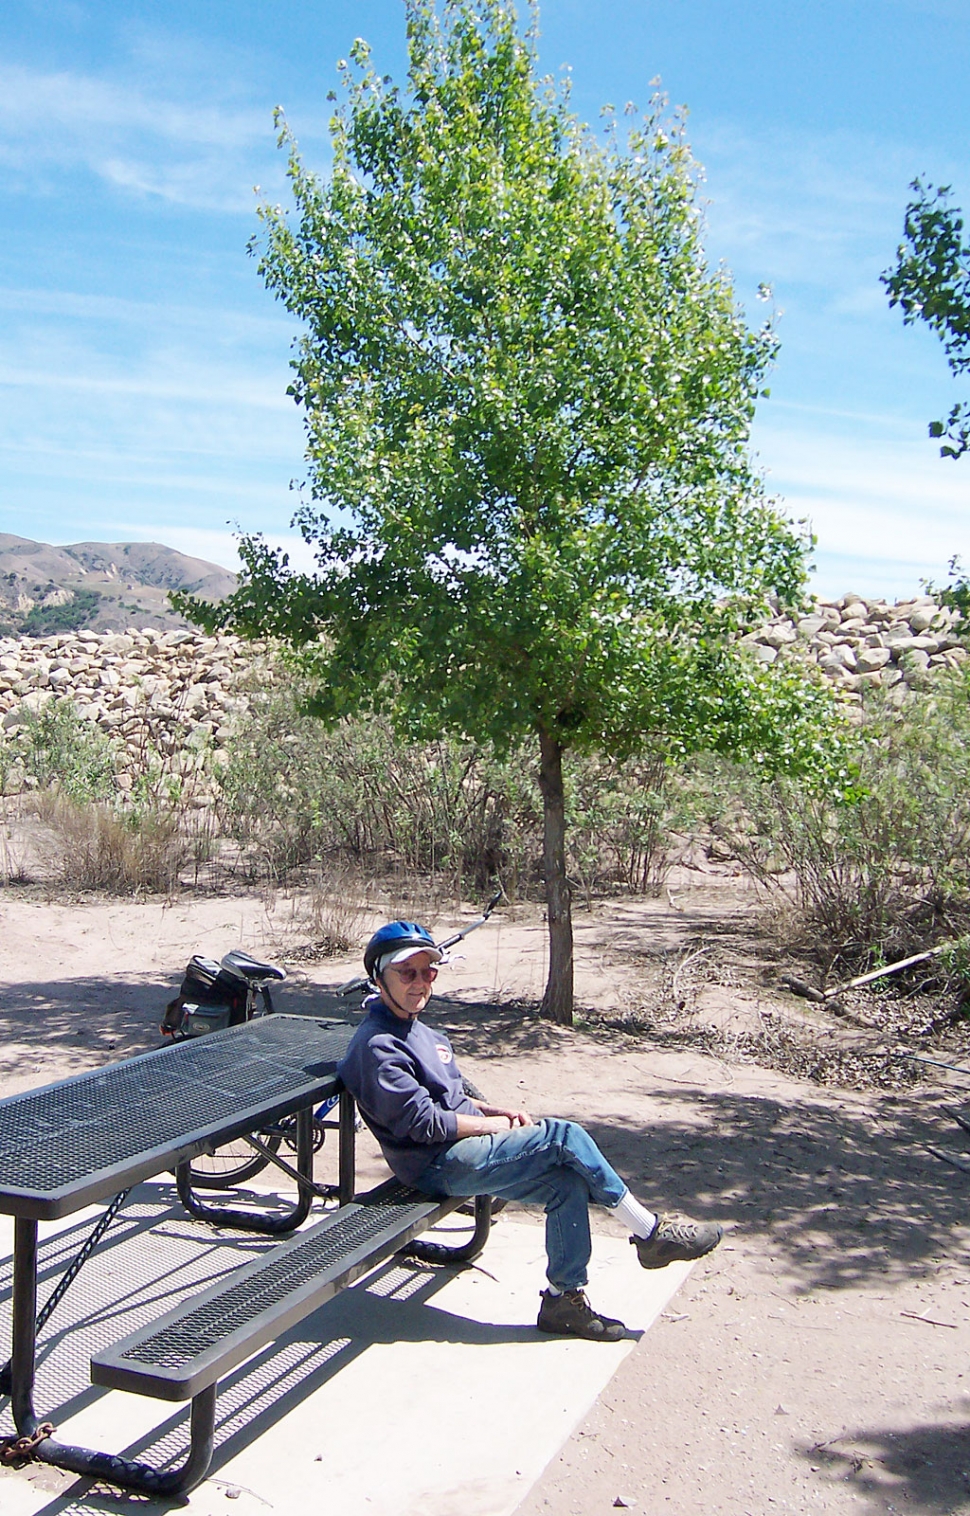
<point x="557" y="1002"/>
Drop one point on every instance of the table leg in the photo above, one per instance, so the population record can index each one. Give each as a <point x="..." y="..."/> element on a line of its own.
<point x="66" y="1280"/>
<point x="24" y="1331"/>
<point x="268" y="1223"/>
<point x="23" y="1358"/>
<point x="347" y="1149"/>
<point x="427" y="1251"/>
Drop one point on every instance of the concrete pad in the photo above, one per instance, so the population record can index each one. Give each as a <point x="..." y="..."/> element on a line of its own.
<point x="419" y="1390"/>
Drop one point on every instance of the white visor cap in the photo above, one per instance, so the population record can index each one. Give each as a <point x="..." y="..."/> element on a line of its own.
<point x="403" y="954"/>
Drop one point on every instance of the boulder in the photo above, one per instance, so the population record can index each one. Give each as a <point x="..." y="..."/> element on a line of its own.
<point x="870" y="659"/>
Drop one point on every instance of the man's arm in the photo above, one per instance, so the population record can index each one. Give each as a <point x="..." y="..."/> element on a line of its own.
<point x="493" y="1119"/>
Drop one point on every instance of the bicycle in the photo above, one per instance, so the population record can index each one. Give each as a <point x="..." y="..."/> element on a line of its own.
<point x="213" y="996"/>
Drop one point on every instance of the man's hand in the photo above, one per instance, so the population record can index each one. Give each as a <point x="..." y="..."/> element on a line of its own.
<point x="492" y="1121"/>
<point x="515" y="1118"/>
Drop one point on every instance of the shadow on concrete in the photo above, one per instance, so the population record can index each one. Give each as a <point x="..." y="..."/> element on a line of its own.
<point x="390" y="1306"/>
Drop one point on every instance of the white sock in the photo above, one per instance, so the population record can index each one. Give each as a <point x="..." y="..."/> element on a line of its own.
<point x="640" y="1221"/>
<point x="551" y="1288"/>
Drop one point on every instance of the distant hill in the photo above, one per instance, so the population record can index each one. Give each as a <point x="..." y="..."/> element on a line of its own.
<point x="104" y="586"/>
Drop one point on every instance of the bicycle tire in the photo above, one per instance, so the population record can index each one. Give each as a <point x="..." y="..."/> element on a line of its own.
<point x="231" y="1164"/>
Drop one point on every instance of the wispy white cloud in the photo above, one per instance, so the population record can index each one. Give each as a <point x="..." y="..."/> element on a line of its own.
<point x="214" y="547"/>
<point x="223" y="389"/>
<point x="819" y="214"/>
<point x="137" y="138"/>
<point x="32" y="101"/>
<point x="885" y="509"/>
<point x="877" y="467"/>
<point x="134" y="388"/>
<point x="222" y="323"/>
<point x="119" y="411"/>
<point x="838" y="574"/>
<point x="821" y="209"/>
<point x="187" y="418"/>
<point x="192" y="184"/>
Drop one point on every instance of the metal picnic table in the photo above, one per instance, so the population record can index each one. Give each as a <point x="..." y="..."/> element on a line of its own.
<point x="71" y="1144"/>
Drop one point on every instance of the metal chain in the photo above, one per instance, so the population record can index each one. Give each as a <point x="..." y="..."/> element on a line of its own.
<point x="57" y="1295"/>
<point x="13" y="1449"/>
<point x="67" y="1279"/>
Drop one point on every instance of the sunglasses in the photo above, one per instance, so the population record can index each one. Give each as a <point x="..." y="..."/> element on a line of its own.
<point x="429" y="975"/>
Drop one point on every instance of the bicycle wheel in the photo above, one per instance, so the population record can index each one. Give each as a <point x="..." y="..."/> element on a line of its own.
<point x="233" y="1163"/>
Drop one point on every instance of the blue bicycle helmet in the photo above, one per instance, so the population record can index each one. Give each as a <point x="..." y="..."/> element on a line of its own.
<point x="395" y="937"/>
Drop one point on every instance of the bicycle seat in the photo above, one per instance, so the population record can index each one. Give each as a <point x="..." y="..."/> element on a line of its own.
<point x="245" y="967"/>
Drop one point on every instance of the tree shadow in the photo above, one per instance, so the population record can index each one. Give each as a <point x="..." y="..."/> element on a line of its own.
<point x="630" y="937"/>
<point x="926" y="1468"/>
<point x="395" y="1304"/>
<point x="849" y="1194"/>
<point x="97" y="1019"/>
<point x="847" y="1199"/>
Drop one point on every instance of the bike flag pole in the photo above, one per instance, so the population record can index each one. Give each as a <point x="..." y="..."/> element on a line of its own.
<point x="361" y="981"/>
<point x="472" y="926"/>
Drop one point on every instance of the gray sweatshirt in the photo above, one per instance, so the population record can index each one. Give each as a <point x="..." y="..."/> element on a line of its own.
<point x="405" y="1080"/>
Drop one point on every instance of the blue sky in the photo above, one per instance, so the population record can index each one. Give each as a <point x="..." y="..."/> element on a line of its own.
<point x="143" y="366"/>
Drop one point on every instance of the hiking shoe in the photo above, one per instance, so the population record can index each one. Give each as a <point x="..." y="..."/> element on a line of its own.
<point x="571" y="1315"/>
<point x="673" y="1241"/>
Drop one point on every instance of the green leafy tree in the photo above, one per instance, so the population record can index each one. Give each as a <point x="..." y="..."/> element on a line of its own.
<point x="527" y="400"/>
<point x="931" y="282"/>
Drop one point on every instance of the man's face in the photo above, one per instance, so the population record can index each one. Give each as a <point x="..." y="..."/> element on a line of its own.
<point x="406" y="987"/>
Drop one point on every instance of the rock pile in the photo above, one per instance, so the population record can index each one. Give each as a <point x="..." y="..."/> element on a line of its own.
<point x="155" y="692"/>
<point x="169" y="692"/>
<point x="858" y="642"/>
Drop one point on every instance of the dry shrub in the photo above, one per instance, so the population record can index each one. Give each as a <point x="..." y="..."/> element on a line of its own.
<point x="332" y="912"/>
<point x="415" y="897"/>
<point x="883" y="872"/>
<point x="13" y="850"/>
<point x="295" y="795"/>
<point x="93" y="847"/>
<point x="337" y="910"/>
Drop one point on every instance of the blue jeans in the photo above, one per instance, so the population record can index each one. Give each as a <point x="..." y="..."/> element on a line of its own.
<point x="556" y="1164"/>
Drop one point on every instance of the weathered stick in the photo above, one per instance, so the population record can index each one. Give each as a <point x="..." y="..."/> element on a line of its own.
<point x="675" y="982"/>
<point x="934" y="1063"/>
<point x="930" y="1320"/>
<point x="957" y="1159"/>
<point x="891" y="968"/>
<point x="809" y="992"/>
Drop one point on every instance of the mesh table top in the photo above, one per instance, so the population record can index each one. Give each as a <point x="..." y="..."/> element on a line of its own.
<point x="69" y="1144"/>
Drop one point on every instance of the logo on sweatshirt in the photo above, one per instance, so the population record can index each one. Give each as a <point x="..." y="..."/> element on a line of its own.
<point x="444" y="1052"/>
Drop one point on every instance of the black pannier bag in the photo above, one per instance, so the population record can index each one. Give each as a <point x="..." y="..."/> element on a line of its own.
<point x="208" y="1000"/>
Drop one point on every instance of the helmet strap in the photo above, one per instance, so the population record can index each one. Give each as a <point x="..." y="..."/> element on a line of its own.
<point x="382" y="984"/>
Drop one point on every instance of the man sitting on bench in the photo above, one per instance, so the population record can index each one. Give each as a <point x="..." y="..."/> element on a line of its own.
<point x="435" y="1138"/>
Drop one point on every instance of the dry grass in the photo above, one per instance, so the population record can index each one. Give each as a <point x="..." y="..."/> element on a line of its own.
<point x="332" y="913"/>
<point x="93" y="847"/>
<point x="333" y="910"/>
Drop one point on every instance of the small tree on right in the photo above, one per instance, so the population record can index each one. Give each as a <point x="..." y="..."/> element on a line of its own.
<point x="931" y="281"/>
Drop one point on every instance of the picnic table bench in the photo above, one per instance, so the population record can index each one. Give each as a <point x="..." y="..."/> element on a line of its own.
<point x="86" y="1139"/>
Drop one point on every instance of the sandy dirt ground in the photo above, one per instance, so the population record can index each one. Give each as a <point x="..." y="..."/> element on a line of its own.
<point x="818" y="1360"/>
